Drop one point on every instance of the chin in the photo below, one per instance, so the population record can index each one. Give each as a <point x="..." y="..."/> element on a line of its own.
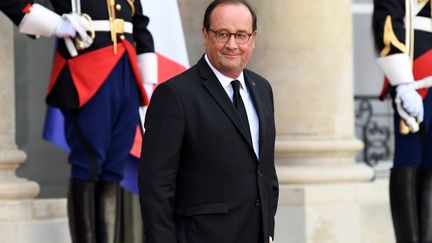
<point x="231" y="63"/>
<point x="231" y="68"/>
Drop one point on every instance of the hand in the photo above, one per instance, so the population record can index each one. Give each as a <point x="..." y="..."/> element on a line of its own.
<point x="149" y="88"/>
<point x="142" y="111"/>
<point x="69" y="25"/>
<point x="72" y="25"/>
<point x="412" y="102"/>
<point x="148" y="67"/>
<point x="270" y="239"/>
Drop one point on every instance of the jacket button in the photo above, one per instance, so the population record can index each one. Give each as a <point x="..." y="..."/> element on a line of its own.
<point x="118" y="7"/>
<point x="258" y="203"/>
<point x="259" y="173"/>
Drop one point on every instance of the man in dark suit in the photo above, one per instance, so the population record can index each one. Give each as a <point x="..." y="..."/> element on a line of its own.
<point x="207" y="170"/>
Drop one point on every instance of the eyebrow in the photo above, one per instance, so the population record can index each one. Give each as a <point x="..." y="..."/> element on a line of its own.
<point x="224" y="29"/>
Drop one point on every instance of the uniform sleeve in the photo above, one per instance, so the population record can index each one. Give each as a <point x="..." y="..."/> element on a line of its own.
<point x="389" y="34"/>
<point x="388" y="26"/>
<point x="14" y="9"/>
<point x="142" y="36"/>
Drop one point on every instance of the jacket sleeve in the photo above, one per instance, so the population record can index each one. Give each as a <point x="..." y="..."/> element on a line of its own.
<point x="389" y="33"/>
<point x="142" y="36"/>
<point x="388" y="26"/>
<point x="275" y="184"/>
<point x="159" y="161"/>
<point x="14" y="9"/>
<point x="274" y="203"/>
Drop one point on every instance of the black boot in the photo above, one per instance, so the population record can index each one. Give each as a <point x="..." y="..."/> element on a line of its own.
<point x="403" y="204"/>
<point x="81" y="211"/>
<point x="425" y="203"/>
<point x="108" y="212"/>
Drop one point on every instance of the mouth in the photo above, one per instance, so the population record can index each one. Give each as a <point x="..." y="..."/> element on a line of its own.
<point x="231" y="55"/>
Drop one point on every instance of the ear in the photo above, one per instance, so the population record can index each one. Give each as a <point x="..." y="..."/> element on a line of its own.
<point x="254" y="35"/>
<point x="205" y="36"/>
<point x="204" y="33"/>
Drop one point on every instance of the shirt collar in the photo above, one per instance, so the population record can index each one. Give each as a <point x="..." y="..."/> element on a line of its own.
<point x="224" y="80"/>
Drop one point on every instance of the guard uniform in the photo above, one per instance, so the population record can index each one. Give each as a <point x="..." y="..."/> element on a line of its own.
<point x="390" y="34"/>
<point x="99" y="92"/>
<point x="403" y="38"/>
<point x="14" y="9"/>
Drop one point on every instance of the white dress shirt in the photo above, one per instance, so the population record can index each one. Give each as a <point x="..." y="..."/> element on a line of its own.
<point x="247" y="100"/>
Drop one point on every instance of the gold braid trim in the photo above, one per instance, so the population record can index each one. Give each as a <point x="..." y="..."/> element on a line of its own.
<point x="112" y="17"/>
<point x="390" y="38"/>
<point x="423" y="1"/>
<point x="132" y="6"/>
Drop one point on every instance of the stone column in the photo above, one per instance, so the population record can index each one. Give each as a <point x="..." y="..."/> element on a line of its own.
<point x="11" y="187"/>
<point x="304" y="49"/>
<point x="23" y="219"/>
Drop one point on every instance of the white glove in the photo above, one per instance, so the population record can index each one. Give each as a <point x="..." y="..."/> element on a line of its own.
<point x="412" y="102"/>
<point x="42" y="21"/>
<point x="65" y="28"/>
<point x="148" y="67"/>
<point x="148" y="87"/>
<point x="142" y="111"/>
<point x="74" y="24"/>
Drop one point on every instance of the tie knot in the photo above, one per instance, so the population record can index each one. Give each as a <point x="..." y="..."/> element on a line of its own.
<point x="236" y="85"/>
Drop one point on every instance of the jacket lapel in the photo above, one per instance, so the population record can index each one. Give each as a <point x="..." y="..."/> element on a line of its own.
<point x="213" y="86"/>
<point x="257" y="101"/>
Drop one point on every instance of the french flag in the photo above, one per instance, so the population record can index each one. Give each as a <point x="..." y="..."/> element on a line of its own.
<point x="166" y="28"/>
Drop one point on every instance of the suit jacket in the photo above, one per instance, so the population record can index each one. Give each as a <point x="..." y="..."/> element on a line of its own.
<point x="14" y="9"/>
<point x="199" y="178"/>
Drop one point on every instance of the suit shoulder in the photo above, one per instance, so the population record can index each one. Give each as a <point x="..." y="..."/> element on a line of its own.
<point x="185" y="78"/>
<point x="257" y="78"/>
<point x="255" y="75"/>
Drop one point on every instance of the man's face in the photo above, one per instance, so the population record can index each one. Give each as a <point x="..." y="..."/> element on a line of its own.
<point x="229" y="58"/>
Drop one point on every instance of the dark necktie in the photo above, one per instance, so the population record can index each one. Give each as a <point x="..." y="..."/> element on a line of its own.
<point x="239" y="105"/>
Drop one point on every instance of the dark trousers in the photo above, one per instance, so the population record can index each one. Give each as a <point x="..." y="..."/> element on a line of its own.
<point x="101" y="133"/>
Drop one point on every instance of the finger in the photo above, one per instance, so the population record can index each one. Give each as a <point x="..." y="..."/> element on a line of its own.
<point x="415" y="111"/>
<point x="410" y="109"/>
<point x="76" y="22"/>
<point x="420" y="116"/>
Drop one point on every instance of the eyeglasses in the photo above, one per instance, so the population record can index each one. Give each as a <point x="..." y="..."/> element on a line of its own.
<point x="223" y="36"/>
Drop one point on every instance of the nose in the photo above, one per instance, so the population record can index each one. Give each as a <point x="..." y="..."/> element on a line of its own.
<point x="231" y="42"/>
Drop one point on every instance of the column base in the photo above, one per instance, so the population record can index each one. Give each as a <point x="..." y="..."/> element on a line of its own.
<point x="288" y="174"/>
<point x="337" y="213"/>
<point x="18" y="188"/>
<point x="12" y="187"/>
<point x="314" y="150"/>
<point x="314" y="160"/>
<point x="34" y="220"/>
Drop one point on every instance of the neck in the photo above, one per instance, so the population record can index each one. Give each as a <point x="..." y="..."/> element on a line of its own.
<point x="234" y="74"/>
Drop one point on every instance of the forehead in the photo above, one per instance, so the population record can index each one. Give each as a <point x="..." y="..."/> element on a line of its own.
<point x="231" y="17"/>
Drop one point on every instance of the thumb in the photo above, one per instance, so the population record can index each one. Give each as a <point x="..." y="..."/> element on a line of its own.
<point x="65" y="29"/>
